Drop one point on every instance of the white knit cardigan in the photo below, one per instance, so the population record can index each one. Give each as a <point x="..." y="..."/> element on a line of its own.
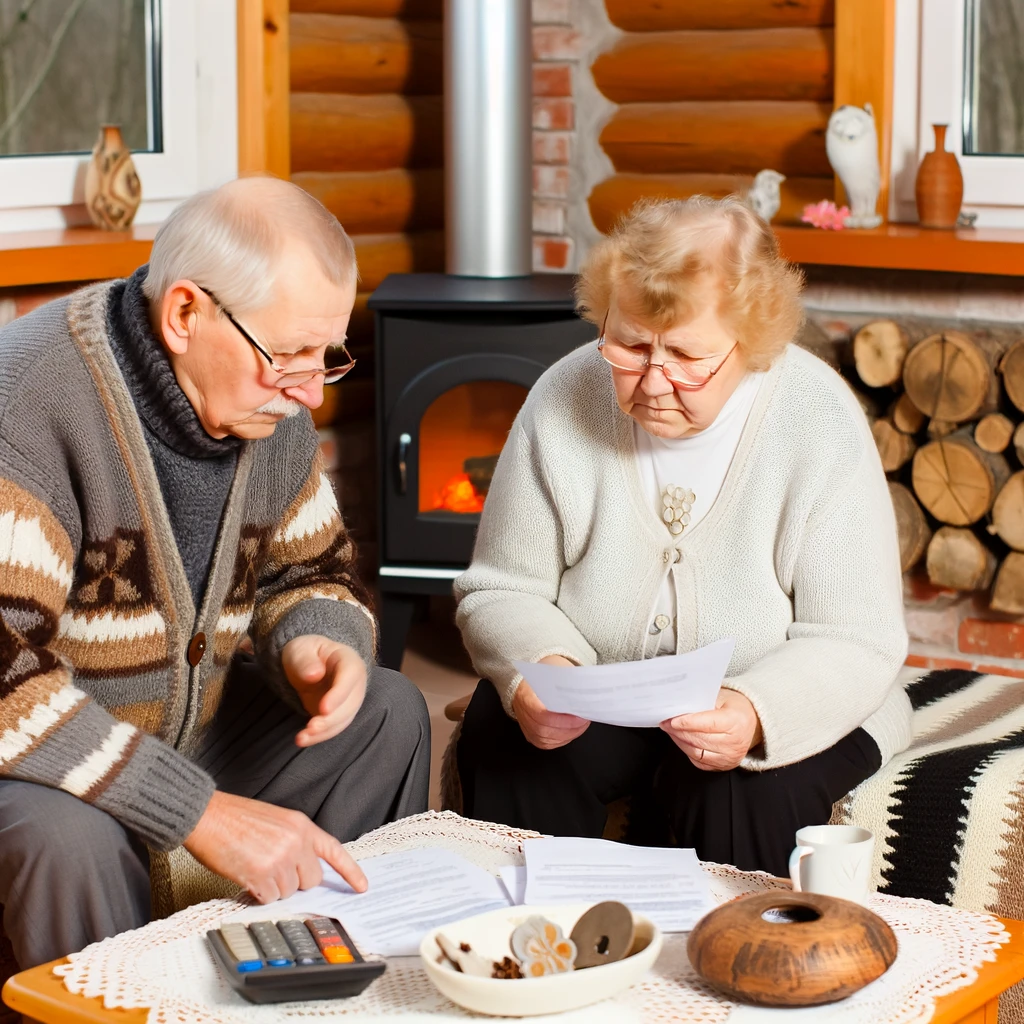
<point x="797" y="559"/>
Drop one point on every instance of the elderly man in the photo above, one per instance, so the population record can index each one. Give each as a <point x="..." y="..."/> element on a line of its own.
<point x="163" y="512"/>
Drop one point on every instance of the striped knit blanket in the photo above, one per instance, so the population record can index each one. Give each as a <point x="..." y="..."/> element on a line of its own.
<point x="948" y="813"/>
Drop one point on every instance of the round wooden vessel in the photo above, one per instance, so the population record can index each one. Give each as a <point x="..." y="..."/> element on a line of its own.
<point x="791" y="949"/>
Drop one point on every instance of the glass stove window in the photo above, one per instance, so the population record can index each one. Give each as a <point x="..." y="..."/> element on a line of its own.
<point x="994" y="78"/>
<point x="68" y="66"/>
<point x="461" y="435"/>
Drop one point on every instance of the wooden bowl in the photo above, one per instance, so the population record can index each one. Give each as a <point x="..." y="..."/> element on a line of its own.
<point x="791" y="949"/>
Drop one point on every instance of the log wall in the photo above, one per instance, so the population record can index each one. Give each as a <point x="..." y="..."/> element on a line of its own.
<point x="366" y="135"/>
<point x="709" y="92"/>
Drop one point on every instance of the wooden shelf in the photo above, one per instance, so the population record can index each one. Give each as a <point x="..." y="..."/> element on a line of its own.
<point x="89" y="254"/>
<point x="72" y="254"/>
<point x="909" y="247"/>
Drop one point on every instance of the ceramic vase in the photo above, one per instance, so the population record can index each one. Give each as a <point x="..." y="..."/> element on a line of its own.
<point x="112" y="188"/>
<point x="940" y="185"/>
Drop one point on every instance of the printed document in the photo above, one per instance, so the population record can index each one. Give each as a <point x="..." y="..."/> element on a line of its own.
<point x="641" y="694"/>
<point x="666" y="885"/>
<point x="409" y="894"/>
<point x="513" y="877"/>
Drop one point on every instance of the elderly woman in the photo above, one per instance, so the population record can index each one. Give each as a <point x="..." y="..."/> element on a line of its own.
<point x="692" y="476"/>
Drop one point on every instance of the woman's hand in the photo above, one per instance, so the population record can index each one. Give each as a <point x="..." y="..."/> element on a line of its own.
<point x="545" y="729"/>
<point x="717" y="740"/>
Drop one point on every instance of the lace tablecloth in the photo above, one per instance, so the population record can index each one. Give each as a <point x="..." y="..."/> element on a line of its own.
<point x="167" y="967"/>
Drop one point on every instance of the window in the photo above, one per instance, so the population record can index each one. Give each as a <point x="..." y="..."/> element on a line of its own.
<point x="165" y="70"/>
<point x="961" y="63"/>
<point x="994" y="78"/>
<point x="68" y="66"/>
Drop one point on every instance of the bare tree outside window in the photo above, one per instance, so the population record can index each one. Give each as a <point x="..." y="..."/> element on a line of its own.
<point x="68" y="66"/>
<point x="994" y="78"/>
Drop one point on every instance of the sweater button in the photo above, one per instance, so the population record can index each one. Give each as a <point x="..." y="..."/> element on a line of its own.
<point x="660" y="624"/>
<point x="196" y="649"/>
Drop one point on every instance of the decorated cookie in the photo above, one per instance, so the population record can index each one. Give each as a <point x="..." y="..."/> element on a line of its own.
<point x="542" y="949"/>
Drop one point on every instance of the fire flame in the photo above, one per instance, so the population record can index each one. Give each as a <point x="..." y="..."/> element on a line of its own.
<point x="459" y="495"/>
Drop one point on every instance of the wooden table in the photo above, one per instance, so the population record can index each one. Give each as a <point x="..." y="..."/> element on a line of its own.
<point x="41" y="996"/>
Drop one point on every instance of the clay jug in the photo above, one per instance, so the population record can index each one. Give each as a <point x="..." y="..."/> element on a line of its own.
<point x="940" y="185"/>
<point x="112" y="188"/>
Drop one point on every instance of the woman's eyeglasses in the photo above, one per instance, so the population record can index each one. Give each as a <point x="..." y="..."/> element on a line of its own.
<point x="688" y="376"/>
<point x="338" y="360"/>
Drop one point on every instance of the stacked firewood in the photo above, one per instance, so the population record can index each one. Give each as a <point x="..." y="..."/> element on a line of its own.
<point x="946" y="411"/>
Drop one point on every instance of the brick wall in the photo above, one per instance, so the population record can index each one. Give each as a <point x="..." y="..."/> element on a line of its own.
<point x="556" y="55"/>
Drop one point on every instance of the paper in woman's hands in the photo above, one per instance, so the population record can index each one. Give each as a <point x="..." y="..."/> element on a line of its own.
<point x="639" y="694"/>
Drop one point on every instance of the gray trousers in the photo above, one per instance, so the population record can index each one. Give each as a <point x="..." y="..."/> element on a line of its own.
<point x="70" y="874"/>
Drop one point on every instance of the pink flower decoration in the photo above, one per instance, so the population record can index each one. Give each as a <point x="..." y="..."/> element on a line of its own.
<point x="825" y="215"/>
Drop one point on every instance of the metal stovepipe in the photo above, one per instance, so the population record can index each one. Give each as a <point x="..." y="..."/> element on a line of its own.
<point x="487" y="123"/>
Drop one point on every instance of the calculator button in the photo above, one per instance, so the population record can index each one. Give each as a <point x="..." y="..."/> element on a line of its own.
<point x="276" y="951"/>
<point x="302" y="944"/>
<point x="338" y="955"/>
<point x="240" y="945"/>
<point x="329" y="939"/>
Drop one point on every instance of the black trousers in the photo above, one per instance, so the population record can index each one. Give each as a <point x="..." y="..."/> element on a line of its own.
<point x="740" y="817"/>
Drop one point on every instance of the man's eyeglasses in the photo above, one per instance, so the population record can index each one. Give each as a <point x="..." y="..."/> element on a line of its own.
<point x="338" y="360"/>
<point x="687" y="376"/>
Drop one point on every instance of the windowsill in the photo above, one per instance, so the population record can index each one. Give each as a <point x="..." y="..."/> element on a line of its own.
<point x="90" y="254"/>
<point x="72" y="254"/>
<point x="909" y="247"/>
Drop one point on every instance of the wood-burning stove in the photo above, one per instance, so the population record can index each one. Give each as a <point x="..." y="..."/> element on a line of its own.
<point x="455" y="357"/>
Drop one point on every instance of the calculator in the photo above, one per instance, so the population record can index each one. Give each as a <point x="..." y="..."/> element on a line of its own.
<point x="284" y="961"/>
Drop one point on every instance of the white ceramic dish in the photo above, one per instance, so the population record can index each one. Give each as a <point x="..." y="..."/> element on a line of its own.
<point x="489" y="934"/>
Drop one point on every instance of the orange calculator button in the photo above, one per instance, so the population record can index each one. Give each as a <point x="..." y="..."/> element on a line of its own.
<point x="338" y="955"/>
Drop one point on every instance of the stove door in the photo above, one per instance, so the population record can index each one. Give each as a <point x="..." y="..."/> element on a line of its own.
<point x="441" y="445"/>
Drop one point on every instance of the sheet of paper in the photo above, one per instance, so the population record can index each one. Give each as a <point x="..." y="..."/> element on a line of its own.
<point x="641" y="694"/>
<point x="513" y="877"/>
<point x="409" y="894"/>
<point x="666" y="885"/>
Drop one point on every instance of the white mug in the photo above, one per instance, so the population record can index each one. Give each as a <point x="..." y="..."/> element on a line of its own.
<point x="833" y="860"/>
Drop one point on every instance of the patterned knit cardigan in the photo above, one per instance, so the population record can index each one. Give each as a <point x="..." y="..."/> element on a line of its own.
<point x="97" y="696"/>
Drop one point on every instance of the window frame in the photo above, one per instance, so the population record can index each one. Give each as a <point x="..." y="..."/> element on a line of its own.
<point x="929" y="89"/>
<point x="199" y="126"/>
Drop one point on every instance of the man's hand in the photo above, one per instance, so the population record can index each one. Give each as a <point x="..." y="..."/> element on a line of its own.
<point x="717" y="740"/>
<point x="330" y="679"/>
<point x="545" y="729"/>
<point x="269" y="850"/>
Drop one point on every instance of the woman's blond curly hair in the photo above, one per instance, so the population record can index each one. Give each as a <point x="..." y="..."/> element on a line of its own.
<point x="668" y="258"/>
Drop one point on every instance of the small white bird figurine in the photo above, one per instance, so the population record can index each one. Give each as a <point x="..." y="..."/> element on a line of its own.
<point x="851" y="143"/>
<point x="764" y="198"/>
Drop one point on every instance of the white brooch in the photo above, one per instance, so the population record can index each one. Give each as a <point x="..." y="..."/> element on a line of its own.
<point x="677" y="503"/>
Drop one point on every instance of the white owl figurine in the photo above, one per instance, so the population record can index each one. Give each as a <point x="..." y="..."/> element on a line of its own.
<point x="852" y="147"/>
<point x="764" y="198"/>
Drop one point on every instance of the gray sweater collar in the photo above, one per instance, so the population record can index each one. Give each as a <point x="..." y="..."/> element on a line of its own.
<point x="156" y="394"/>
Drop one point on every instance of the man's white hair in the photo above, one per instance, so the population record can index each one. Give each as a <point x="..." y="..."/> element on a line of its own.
<point x="229" y="241"/>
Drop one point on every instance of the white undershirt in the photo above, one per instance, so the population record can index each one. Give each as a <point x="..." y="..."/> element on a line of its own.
<point x="698" y="463"/>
